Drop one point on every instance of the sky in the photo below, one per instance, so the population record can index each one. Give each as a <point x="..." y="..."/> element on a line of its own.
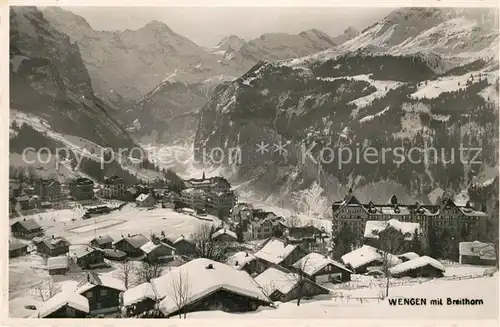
<point x="207" y="26"/>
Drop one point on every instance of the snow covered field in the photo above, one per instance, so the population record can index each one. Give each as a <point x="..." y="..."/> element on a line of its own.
<point x="27" y="271"/>
<point x="80" y="146"/>
<point x="340" y="306"/>
<point x="127" y="220"/>
<point x="434" y="88"/>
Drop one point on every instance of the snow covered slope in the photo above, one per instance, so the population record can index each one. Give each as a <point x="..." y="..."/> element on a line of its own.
<point x="394" y="85"/>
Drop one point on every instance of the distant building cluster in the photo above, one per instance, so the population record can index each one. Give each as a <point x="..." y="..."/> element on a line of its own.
<point x="295" y="260"/>
<point x="211" y="195"/>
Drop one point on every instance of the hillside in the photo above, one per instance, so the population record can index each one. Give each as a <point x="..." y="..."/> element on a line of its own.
<point x="278" y="46"/>
<point x="168" y="113"/>
<point x="391" y="86"/>
<point x="49" y="79"/>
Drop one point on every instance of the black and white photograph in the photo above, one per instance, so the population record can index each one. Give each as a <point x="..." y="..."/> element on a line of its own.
<point x="258" y="162"/>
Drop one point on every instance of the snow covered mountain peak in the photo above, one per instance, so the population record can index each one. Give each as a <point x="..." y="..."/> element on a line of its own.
<point x="157" y="26"/>
<point x="230" y="43"/>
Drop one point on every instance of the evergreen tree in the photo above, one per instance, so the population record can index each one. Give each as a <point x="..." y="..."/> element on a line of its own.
<point x="416" y="243"/>
<point x="344" y="242"/>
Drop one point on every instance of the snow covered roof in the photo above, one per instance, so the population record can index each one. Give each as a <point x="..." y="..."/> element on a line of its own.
<point x="205" y="276"/>
<point x="59" y="262"/>
<point x="240" y="259"/>
<point x="275" y="251"/>
<point x="95" y="279"/>
<point x="139" y="293"/>
<point x="29" y="224"/>
<point x="314" y="262"/>
<point x="143" y="197"/>
<point x="193" y="191"/>
<point x="478" y="249"/>
<point x="273" y="279"/>
<point x="361" y="256"/>
<point x="409" y="255"/>
<point x="467" y="211"/>
<point x="182" y="238"/>
<point x="82" y="251"/>
<point x="417" y="263"/>
<point x="114" y="253"/>
<point x="136" y="240"/>
<point x="150" y="246"/>
<point x="55" y="242"/>
<point x="16" y="245"/>
<point x="61" y="299"/>
<point x="373" y="227"/>
<point x="101" y="239"/>
<point x="225" y="231"/>
<point x="393" y="210"/>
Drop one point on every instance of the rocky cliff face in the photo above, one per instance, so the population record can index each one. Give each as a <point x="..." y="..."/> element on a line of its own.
<point x="48" y="78"/>
<point x="132" y="63"/>
<point x="168" y="114"/>
<point x="393" y="86"/>
<point x="136" y="72"/>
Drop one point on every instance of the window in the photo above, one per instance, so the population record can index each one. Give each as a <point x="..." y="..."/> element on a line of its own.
<point x="99" y="305"/>
<point x="70" y="311"/>
<point x="337" y="277"/>
<point x="103" y="292"/>
<point x="88" y="294"/>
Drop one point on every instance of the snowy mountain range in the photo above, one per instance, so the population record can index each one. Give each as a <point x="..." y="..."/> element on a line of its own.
<point x="49" y="79"/>
<point x="420" y="77"/>
<point x="139" y="58"/>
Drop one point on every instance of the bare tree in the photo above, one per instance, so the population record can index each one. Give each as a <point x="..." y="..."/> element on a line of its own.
<point x="45" y="290"/>
<point x="126" y="274"/>
<point x="148" y="271"/>
<point x="391" y="243"/>
<point x="180" y="292"/>
<point x="269" y="289"/>
<point x="299" y="278"/>
<point x="208" y="248"/>
<point x="293" y="221"/>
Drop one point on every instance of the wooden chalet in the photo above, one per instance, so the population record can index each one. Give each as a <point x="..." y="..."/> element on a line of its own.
<point x="131" y="244"/>
<point x="102" y="242"/>
<point x="102" y="292"/>
<point x="52" y="246"/>
<point x="88" y="257"/>
<point x="26" y="228"/>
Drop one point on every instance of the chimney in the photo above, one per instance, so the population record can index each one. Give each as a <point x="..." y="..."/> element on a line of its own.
<point x="128" y="234"/>
<point x="246" y="254"/>
<point x="88" y="278"/>
<point x="236" y="263"/>
<point x="53" y="237"/>
<point x="210" y="266"/>
<point x="24" y="219"/>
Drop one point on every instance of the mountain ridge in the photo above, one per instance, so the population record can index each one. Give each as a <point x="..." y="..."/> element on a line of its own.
<point x="362" y="92"/>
